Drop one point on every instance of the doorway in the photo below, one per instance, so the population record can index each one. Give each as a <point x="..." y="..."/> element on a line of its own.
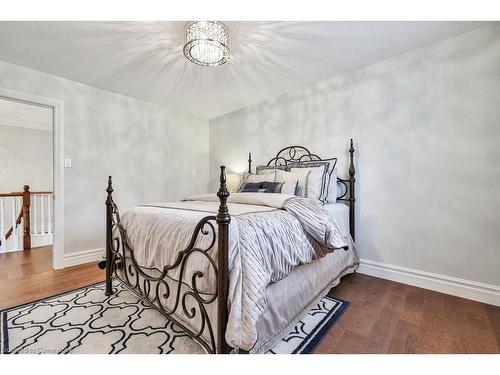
<point x="31" y="222"/>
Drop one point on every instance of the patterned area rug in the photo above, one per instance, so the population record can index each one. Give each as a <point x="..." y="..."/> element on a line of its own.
<point x="86" y="321"/>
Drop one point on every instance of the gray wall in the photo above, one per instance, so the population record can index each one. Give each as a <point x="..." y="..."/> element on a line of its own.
<point x="427" y="128"/>
<point x="153" y="155"/>
<point x="32" y="167"/>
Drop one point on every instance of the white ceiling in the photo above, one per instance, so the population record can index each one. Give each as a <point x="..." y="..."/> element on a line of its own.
<point x="144" y="60"/>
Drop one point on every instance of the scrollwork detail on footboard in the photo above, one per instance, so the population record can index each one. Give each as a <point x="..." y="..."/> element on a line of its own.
<point x="173" y="290"/>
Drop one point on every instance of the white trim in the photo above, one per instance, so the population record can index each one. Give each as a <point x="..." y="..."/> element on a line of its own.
<point x="486" y="293"/>
<point x="58" y="166"/>
<point x="80" y="257"/>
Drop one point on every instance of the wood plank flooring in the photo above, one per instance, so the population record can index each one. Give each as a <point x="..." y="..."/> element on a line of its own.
<point x="388" y="317"/>
<point x="383" y="317"/>
<point x="28" y="275"/>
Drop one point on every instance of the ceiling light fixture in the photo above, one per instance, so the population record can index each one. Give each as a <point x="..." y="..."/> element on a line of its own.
<point x="207" y="43"/>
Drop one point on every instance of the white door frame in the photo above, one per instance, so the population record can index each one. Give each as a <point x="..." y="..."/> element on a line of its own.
<point x="58" y="164"/>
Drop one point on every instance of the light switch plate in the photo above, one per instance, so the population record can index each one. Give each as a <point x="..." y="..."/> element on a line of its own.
<point x="67" y="163"/>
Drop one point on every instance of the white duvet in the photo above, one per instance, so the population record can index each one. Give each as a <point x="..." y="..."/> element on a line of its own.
<point x="269" y="235"/>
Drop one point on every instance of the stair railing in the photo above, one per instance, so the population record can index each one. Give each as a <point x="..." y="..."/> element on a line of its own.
<point x="23" y="218"/>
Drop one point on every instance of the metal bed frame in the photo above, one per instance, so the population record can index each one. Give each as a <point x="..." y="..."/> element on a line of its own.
<point x="179" y="298"/>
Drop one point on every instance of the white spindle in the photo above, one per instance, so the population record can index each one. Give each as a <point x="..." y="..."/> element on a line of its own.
<point x="14" y="234"/>
<point x="19" y="228"/>
<point x="2" y="226"/>
<point x="49" y="215"/>
<point x="35" y="219"/>
<point x="42" y="227"/>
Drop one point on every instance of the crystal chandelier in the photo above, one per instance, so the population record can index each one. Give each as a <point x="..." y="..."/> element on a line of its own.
<point x="207" y="43"/>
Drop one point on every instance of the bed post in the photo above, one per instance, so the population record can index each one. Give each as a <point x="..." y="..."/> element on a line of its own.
<point x="352" y="198"/>
<point x="250" y="162"/>
<point x="109" y="255"/>
<point x="223" y="218"/>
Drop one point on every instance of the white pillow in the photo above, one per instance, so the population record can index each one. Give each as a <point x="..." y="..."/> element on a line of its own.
<point x="264" y="169"/>
<point x="260" y="178"/>
<point x="290" y="181"/>
<point x="332" y="188"/>
<point x="311" y="182"/>
<point x="255" y="178"/>
<point x="329" y="165"/>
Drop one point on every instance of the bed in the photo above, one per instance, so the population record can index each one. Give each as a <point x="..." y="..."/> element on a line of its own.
<point x="235" y="270"/>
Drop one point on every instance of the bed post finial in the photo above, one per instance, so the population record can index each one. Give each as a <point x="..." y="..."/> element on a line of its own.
<point x="223" y="194"/>
<point x="223" y="219"/>
<point x="250" y="162"/>
<point x="352" y="190"/>
<point x="110" y="188"/>
<point x="109" y="229"/>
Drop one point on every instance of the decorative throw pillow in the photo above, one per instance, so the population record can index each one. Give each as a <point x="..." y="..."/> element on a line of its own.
<point x="272" y="187"/>
<point x="254" y="178"/>
<point x="250" y="186"/>
<point x="329" y="184"/>
<point x="268" y="169"/>
<point x="290" y="181"/>
<point x="261" y="187"/>
<point x="243" y="180"/>
<point x="311" y="181"/>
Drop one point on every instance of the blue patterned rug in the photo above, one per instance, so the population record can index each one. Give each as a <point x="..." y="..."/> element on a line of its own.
<point x="86" y="321"/>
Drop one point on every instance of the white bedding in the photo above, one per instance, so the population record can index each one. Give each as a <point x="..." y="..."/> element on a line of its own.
<point x="287" y="303"/>
<point x="269" y="235"/>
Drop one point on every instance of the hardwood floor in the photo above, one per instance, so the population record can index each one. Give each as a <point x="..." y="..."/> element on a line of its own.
<point x="383" y="316"/>
<point x="388" y="317"/>
<point x="28" y="275"/>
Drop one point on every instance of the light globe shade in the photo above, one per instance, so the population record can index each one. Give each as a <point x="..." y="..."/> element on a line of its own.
<point x="232" y="181"/>
<point x="207" y="43"/>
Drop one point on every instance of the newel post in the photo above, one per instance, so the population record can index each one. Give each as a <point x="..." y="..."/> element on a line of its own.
<point x="26" y="218"/>
<point x="223" y="219"/>
<point x="109" y="254"/>
<point x="352" y="191"/>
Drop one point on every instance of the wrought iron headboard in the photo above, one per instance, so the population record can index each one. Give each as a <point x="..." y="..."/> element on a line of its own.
<point x="293" y="154"/>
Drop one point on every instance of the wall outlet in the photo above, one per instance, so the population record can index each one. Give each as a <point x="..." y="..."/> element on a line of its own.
<point x="67" y="163"/>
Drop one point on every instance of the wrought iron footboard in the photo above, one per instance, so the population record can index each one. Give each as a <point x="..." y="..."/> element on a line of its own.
<point x="175" y="290"/>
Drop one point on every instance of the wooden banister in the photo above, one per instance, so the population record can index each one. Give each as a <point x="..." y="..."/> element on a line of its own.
<point x="26" y="218"/>
<point x="24" y="214"/>
<point x="13" y="194"/>
<point x="11" y="229"/>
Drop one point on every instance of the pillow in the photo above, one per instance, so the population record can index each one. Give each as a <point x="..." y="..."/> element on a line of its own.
<point x="249" y="186"/>
<point x="290" y="181"/>
<point x="265" y="169"/>
<point x="272" y="187"/>
<point x="259" y="178"/>
<point x="253" y="178"/>
<point x="332" y="192"/>
<point x="261" y="187"/>
<point x="329" y="184"/>
<point x="243" y="180"/>
<point x="311" y="181"/>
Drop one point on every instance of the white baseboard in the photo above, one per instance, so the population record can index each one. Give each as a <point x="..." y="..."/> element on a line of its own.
<point x="38" y="240"/>
<point x="80" y="257"/>
<point x="473" y="290"/>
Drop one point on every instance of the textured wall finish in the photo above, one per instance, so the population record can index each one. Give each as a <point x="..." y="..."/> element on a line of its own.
<point x="427" y="125"/>
<point x="18" y="168"/>
<point x="153" y="155"/>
